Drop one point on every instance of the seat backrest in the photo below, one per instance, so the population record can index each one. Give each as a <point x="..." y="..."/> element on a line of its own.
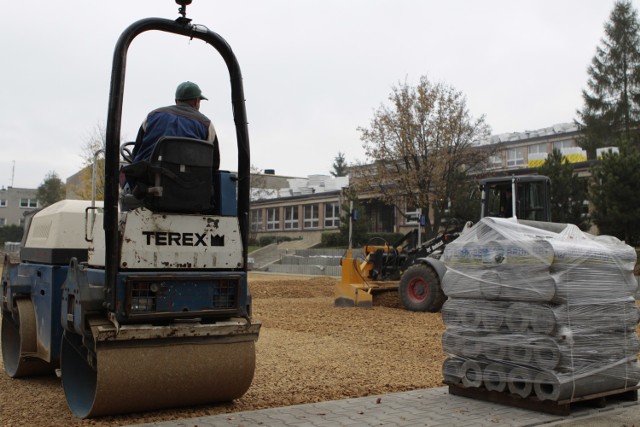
<point x="182" y="175"/>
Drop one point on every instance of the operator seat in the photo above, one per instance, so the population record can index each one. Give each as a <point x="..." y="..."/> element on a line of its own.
<point x="177" y="178"/>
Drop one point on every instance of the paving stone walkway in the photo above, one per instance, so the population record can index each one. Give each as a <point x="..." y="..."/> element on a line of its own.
<point x="426" y="407"/>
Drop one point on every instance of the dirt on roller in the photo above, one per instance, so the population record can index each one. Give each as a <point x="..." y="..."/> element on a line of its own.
<point x="308" y="351"/>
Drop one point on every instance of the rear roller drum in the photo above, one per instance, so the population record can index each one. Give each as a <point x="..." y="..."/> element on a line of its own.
<point x="154" y="374"/>
<point x="420" y="289"/>
<point x="20" y="342"/>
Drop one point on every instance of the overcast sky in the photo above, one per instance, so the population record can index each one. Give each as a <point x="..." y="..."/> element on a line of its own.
<point x="314" y="71"/>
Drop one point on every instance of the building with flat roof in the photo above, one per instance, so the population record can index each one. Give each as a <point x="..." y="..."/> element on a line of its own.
<point x="14" y="203"/>
<point x="305" y="207"/>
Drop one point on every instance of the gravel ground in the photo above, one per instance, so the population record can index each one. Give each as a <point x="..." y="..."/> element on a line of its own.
<point x="308" y="351"/>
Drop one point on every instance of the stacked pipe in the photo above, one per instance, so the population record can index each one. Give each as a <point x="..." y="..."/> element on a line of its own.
<point x="535" y="312"/>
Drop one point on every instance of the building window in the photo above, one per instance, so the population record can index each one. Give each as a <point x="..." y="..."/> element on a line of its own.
<point x="537" y="149"/>
<point x="331" y="215"/>
<point x="3" y="222"/>
<point x="411" y="215"/>
<point x="560" y="145"/>
<point x="311" y="216"/>
<point x="256" y="220"/>
<point x="514" y="157"/>
<point x="273" y="219"/>
<point x="291" y="218"/>
<point x="28" y="203"/>
<point x="3" y="203"/>
<point x="495" y="162"/>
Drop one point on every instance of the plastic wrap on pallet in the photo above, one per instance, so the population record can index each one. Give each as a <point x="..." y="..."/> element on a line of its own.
<point x="451" y="370"/>
<point x="491" y="315"/>
<point x="466" y="313"/>
<point x="495" y="377"/>
<point x="471" y="371"/>
<point x="611" y="316"/>
<point x="556" y="386"/>
<point x="533" y="255"/>
<point x="541" y="352"/>
<point x="548" y="311"/>
<point x="520" y="380"/>
<point x="593" y="284"/>
<point x="500" y="283"/>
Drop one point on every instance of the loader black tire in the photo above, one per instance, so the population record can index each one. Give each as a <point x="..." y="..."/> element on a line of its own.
<point x="420" y="289"/>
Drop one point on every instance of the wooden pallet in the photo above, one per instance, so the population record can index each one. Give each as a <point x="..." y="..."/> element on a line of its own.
<point x="562" y="407"/>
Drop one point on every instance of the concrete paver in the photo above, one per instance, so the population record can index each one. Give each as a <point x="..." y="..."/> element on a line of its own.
<point x="425" y="407"/>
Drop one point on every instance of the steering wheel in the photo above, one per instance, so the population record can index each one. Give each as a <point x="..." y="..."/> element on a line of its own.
<point x="126" y="151"/>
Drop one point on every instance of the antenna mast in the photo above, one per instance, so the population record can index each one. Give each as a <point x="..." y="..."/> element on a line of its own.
<point x="13" y="172"/>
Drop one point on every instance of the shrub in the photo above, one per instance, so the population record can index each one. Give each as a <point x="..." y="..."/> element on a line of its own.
<point x="267" y="240"/>
<point x="332" y="239"/>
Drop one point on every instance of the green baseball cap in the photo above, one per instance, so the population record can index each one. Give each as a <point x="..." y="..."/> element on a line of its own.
<point x="189" y="90"/>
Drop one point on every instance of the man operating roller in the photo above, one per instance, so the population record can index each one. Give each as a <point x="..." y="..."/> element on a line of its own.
<point x="182" y="119"/>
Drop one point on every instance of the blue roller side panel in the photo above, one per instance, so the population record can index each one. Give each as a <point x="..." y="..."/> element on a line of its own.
<point x="46" y="295"/>
<point x="225" y="193"/>
<point x="181" y="293"/>
<point x="42" y="283"/>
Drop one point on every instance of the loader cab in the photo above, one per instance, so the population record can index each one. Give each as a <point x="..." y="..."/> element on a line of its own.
<point x="525" y="197"/>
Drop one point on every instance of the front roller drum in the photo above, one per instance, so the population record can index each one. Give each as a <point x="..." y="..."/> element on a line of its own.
<point x="154" y="375"/>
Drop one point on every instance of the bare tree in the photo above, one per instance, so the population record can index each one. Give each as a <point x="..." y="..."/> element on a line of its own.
<point x="259" y="188"/>
<point x="421" y="147"/>
<point x="92" y="151"/>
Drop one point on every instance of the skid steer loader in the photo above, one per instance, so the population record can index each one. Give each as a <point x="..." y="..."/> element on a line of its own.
<point x="415" y="272"/>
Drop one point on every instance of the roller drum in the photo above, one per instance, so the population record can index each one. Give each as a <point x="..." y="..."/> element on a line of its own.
<point x="155" y="374"/>
<point x="20" y="343"/>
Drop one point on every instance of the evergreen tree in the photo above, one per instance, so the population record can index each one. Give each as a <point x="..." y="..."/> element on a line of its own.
<point x="614" y="194"/>
<point x="612" y="101"/>
<point x="568" y="191"/>
<point x="339" y="165"/>
<point x="51" y="190"/>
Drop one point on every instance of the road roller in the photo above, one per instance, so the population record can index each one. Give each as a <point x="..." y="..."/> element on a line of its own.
<point x="140" y="305"/>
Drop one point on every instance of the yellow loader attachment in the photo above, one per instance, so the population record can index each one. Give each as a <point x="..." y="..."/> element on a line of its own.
<point x="356" y="288"/>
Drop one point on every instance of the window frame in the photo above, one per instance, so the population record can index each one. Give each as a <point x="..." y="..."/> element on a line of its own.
<point x="565" y="143"/>
<point x="311" y="221"/>
<point x="517" y="159"/>
<point x="256" y="220"/>
<point x="333" y="220"/>
<point x="273" y="219"/>
<point x="291" y="218"/>
<point x="542" y="145"/>
<point x="28" y="203"/>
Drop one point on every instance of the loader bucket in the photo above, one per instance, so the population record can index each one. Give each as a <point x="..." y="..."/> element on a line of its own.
<point x="352" y="291"/>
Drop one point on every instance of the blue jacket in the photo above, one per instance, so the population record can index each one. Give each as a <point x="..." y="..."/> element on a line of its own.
<point x="174" y="120"/>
